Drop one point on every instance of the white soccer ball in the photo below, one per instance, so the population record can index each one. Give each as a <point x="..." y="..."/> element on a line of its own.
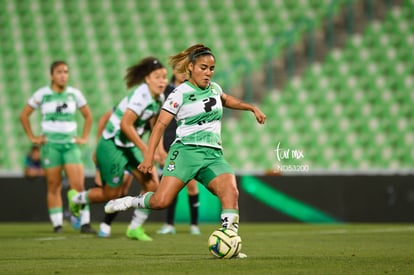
<point x="224" y="243"/>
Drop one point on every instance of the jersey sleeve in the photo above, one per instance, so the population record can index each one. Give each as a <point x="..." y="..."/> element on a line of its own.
<point x="36" y="99"/>
<point x="80" y="99"/>
<point x="137" y="103"/>
<point x="217" y="87"/>
<point x="173" y="102"/>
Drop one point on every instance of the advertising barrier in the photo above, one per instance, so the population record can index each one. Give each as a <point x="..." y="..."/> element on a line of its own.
<point x="309" y="199"/>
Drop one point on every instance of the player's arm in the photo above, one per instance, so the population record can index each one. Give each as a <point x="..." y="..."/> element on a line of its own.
<point x="101" y="126"/>
<point x="87" y="125"/>
<point x="160" y="153"/>
<point x="102" y="122"/>
<point x="163" y="121"/>
<point x="25" y="121"/>
<point x="237" y="104"/>
<point x="32" y="172"/>
<point x="128" y="128"/>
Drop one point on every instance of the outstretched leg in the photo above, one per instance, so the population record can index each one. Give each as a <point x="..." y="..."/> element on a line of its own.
<point x="160" y="199"/>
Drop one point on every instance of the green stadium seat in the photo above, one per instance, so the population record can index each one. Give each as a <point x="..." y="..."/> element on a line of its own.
<point x="235" y="30"/>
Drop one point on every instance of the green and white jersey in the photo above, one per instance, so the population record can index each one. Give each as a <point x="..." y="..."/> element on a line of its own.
<point x="58" y="112"/>
<point x="198" y="113"/>
<point x="142" y="104"/>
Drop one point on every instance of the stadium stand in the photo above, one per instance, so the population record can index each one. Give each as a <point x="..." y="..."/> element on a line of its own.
<point x="351" y="112"/>
<point x="340" y="113"/>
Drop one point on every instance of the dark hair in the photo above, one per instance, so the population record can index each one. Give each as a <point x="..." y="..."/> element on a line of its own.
<point x="55" y="64"/>
<point x="200" y="52"/>
<point x="137" y="73"/>
<point x="172" y="79"/>
<point x="191" y="54"/>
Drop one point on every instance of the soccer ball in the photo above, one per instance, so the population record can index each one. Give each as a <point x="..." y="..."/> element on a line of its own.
<point x="224" y="243"/>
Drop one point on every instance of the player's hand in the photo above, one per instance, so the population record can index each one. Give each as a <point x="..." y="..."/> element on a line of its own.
<point x="260" y="116"/>
<point x="38" y="140"/>
<point x="80" y="140"/>
<point x="146" y="165"/>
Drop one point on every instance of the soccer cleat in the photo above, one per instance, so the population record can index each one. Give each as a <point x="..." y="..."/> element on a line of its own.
<point x="240" y="256"/>
<point x="73" y="207"/>
<point x="138" y="234"/>
<point x="120" y="204"/>
<point x="194" y="230"/>
<point x="58" y="229"/>
<point x="87" y="229"/>
<point x="166" y="229"/>
<point x="75" y="222"/>
<point x="104" y="230"/>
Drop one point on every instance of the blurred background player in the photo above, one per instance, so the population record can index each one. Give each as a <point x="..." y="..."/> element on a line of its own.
<point x="59" y="142"/>
<point x="192" y="188"/>
<point x="198" y="106"/>
<point x="105" y="226"/>
<point x="121" y="147"/>
<point x="32" y="163"/>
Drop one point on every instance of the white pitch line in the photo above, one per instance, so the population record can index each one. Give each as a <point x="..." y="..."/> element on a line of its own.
<point x="343" y="231"/>
<point x="63" y="238"/>
<point x="50" y="239"/>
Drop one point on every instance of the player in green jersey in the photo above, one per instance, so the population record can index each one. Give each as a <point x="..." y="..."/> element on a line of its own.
<point x="59" y="141"/>
<point x="121" y="148"/>
<point x="192" y="186"/>
<point x="197" y="105"/>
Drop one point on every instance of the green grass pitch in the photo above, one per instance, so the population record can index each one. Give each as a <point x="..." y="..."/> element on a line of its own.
<point x="278" y="248"/>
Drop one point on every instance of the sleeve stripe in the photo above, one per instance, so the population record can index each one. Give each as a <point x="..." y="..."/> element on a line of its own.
<point x="169" y="111"/>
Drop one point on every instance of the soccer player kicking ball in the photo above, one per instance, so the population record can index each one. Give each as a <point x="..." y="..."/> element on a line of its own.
<point x="197" y="105"/>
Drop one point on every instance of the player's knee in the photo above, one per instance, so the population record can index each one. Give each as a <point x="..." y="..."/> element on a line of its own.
<point x="54" y="191"/>
<point x="230" y="195"/>
<point x="234" y="193"/>
<point x="158" y="202"/>
<point x="192" y="189"/>
<point x="54" y="187"/>
<point x="113" y="194"/>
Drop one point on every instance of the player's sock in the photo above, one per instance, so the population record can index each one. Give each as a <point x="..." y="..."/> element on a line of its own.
<point x="104" y="230"/>
<point x="85" y="215"/>
<point x="81" y="198"/>
<point x="85" y="220"/>
<point x="109" y="218"/>
<point x="139" y="217"/>
<point x="142" y="201"/>
<point x="194" y="204"/>
<point x="230" y="219"/>
<point x="105" y="227"/>
<point x="171" y="212"/>
<point x="56" y="216"/>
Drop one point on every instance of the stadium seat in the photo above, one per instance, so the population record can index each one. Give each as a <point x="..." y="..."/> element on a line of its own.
<point x="101" y="38"/>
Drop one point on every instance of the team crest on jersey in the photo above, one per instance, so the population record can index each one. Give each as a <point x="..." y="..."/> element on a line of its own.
<point x="115" y="180"/>
<point x="173" y="104"/>
<point x="139" y="104"/>
<point x="171" y="166"/>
